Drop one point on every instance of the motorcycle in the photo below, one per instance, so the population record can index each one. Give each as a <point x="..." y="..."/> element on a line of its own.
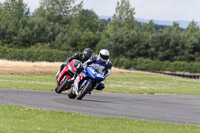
<point x="85" y="83"/>
<point x="67" y="73"/>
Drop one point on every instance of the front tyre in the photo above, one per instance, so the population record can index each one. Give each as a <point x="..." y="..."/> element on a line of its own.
<point x="84" y="90"/>
<point x="62" y="86"/>
<point x="56" y="89"/>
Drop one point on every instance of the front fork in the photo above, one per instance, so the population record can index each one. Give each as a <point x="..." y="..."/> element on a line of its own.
<point x="57" y="75"/>
<point x="85" y="83"/>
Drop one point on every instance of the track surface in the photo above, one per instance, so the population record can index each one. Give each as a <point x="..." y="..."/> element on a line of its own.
<point x="181" y="109"/>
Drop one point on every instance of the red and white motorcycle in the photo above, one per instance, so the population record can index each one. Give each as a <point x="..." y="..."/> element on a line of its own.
<point x="67" y="73"/>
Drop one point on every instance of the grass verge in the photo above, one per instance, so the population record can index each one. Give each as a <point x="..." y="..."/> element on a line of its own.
<point x="15" y="119"/>
<point x="152" y="83"/>
<point x="122" y="83"/>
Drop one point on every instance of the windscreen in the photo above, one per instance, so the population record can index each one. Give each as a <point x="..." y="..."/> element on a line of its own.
<point x="98" y="68"/>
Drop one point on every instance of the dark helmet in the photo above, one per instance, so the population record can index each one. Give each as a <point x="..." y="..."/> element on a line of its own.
<point x="87" y="52"/>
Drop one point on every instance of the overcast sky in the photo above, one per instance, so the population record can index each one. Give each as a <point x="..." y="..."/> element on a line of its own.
<point x="146" y="9"/>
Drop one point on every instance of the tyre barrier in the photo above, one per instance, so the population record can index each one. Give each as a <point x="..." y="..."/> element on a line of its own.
<point x="192" y="76"/>
<point x="196" y="76"/>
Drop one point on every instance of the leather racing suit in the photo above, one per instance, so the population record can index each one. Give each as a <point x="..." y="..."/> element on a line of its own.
<point x="100" y="66"/>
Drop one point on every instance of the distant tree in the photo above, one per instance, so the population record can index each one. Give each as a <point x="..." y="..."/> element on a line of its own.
<point x="38" y="31"/>
<point x="87" y="40"/>
<point x="14" y="16"/>
<point x="65" y="25"/>
<point x="87" y="20"/>
<point x="123" y="11"/>
<point x="149" y="27"/>
<point x="16" y="8"/>
<point x="148" y="34"/>
<point x="60" y="23"/>
<point x="122" y="22"/>
<point x="1" y="7"/>
<point x="167" y="43"/>
<point x="191" y="42"/>
<point x="59" y="10"/>
<point x="103" y="23"/>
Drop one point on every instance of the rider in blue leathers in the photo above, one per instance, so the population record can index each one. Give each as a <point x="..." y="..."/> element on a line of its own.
<point x="101" y="63"/>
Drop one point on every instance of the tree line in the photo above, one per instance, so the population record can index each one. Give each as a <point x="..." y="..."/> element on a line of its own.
<point x="64" y="25"/>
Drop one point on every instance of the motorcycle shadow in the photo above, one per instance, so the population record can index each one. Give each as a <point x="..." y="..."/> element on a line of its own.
<point x="95" y="101"/>
<point x="86" y="100"/>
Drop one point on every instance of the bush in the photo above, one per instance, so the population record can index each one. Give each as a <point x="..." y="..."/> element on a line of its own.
<point x="34" y="54"/>
<point x="51" y="55"/>
<point x="156" y="65"/>
<point x="122" y="63"/>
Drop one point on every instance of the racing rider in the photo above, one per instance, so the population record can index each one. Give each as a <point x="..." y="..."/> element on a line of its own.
<point x="87" y="53"/>
<point x="101" y="63"/>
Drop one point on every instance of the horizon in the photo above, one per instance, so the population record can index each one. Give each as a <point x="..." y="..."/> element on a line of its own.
<point x="182" y="23"/>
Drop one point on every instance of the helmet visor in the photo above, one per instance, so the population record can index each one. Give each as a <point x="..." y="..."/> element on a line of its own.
<point x="87" y="55"/>
<point x="104" y="57"/>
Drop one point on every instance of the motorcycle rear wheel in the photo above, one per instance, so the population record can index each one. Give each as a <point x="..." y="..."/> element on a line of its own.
<point x="84" y="90"/>
<point x="71" y="95"/>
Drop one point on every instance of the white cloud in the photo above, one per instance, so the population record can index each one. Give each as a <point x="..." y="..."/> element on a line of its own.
<point x="147" y="9"/>
<point x="101" y="7"/>
<point x="167" y="9"/>
<point x="32" y="4"/>
<point x="151" y="9"/>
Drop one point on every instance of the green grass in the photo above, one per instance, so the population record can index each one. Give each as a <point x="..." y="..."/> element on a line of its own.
<point x="15" y="119"/>
<point x="31" y="82"/>
<point x="129" y="83"/>
<point x="152" y="83"/>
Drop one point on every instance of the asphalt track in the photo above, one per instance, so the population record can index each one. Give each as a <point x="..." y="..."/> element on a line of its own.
<point x="180" y="109"/>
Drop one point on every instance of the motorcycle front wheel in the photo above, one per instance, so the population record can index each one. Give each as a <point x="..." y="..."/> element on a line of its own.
<point x="62" y="86"/>
<point x="84" y="90"/>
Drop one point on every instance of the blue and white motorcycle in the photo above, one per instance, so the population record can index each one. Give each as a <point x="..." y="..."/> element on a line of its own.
<point x="85" y="82"/>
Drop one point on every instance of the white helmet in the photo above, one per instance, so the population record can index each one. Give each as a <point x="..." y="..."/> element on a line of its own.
<point x="104" y="55"/>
